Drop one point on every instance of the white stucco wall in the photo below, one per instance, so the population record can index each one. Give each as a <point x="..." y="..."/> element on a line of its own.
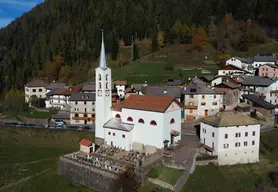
<point x="103" y="101"/>
<point x="40" y="92"/>
<point x="84" y="149"/>
<point x="232" y="154"/>
<point x="117" y="139"/>
<point x="235" y="62"/>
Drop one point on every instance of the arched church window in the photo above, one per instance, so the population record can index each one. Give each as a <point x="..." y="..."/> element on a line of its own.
<point x="153" y="123"/>
<point x="106" y="77"/>
<point x="99" y="77"/>
<point x="141" y="121"/>
<point x="130" y="119"/>
<point x="172" y="121"/>
<point x="106" y="85"/>
<point x="118" y="116"/>
<point x="99" y="85"/>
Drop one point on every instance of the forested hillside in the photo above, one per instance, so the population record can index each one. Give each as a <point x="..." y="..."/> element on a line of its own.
<point x="72" y="29"/>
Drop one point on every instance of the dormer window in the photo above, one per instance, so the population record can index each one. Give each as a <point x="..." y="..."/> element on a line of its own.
<point x="130" y="119"/>
<point x="172" y="121"/>
<point x="118" y="116"/>
<point x="141" y="121"/>
<point x="99" y="77"/>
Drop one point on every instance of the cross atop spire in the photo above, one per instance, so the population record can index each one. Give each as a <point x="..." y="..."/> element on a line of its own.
<point x="102" y="61"/>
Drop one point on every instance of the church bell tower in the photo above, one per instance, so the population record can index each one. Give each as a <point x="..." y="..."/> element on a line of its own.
<point x="103" y="94"/>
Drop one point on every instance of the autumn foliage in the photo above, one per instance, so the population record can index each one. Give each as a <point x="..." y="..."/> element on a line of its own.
<point x="199" y="39"/>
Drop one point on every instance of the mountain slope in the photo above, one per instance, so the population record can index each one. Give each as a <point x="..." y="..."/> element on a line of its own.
<point x="72" y="29"/>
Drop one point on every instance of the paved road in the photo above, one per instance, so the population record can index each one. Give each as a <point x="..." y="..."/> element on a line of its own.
<point x="189" y="165"/>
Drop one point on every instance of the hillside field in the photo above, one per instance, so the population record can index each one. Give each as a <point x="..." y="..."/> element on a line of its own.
<point x="150" y="67"/>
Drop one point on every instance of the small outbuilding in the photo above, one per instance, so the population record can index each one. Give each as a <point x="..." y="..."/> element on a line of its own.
<point x="86" y="146"/>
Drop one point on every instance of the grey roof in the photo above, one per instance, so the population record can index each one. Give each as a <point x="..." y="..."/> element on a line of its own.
<point x="89" y="87"/>
<point x="259" y="101"/>
<point x="78" y="96"/>
<point x="270" y="65"/>
<point x="173" y="82"/>
<point x="207" y="78"/>
<point x="198" y="81"/>
<point x="163" y="91"/>
<point x="198" y="89"/>
<point x="55" y="85"/>
<point x="229" y="119"/>
<point x="116" y="123"/>
<point x="36" y="83"/>
<point x="138" y="87"/>
<point x="257" y="81"/>
<point x="229" y="84"/>
<point x="260" y="58"/>
<point x="248" y="60"/>
<point x="52" y="92"/>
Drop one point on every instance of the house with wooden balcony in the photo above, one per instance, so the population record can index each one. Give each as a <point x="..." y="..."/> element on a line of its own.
<point x="200" y="101"/>
<point x="59" y="98"/>
<point x="82" y="108"/>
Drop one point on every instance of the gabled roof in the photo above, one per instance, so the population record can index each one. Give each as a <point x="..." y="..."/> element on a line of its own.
<point x="207" y="78"/>
<point x="270" y="65"/>
<point x="55" y="85"/>
<point x="195" y="89"/>
<point x="259" y="101"/>
<point x="173" y="82"/>
<point x="90" y="87"/>
<point x="86" y="142"/>
<point x="163" y="91"/>
<point x="65" y="91"/>
<point x="78" y="96"/>
<point x="229" y="119"/>
<point x="257" y="81"/>
<point x="147" y="103"/>
<point x="233" y="67"/>
<point x="228" y="84"/>
<point x="266" y="58"/>
<point x="36" y="83"/>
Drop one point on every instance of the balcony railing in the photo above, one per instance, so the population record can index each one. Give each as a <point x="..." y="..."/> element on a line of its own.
<point x="190" y="106"/>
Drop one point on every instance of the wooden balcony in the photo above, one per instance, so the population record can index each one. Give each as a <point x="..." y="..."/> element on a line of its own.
<point x="84" y="118"/>
<point x="190" y="106"/>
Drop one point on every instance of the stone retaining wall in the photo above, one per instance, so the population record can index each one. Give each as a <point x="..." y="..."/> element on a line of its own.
<point x="92" y="177"/>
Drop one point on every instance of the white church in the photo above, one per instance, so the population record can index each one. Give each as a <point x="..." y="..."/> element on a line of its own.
<point x="140" y="122"/>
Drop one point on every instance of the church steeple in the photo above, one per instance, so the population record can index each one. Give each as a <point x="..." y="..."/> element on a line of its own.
<point x="102" y="61"/>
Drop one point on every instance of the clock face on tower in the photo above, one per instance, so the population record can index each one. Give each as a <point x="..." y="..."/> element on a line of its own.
<point x="107" y="92"/>
<point x="99" y="93"/>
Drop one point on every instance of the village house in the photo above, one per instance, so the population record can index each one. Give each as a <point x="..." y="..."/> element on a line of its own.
<point x="170" y="91"/>
<point x="59" y="98"/>
<point x="35" y="88"/>
<point x="257" y="103"/>
<point x="230" y="93"/>
<point x="233" y="137"/>
<point x="260" y="60"/>
<point x="82" y="108"/>
<point x="266" y="88"/>
<point x="242" y="63"/>
<point x="232" y="70"/>
<point x="221" y="79"/>
<point x="268" y="70"/>
<point x="120" y="87"/>
<point x="132" y="123"/>
<point x="200" y="101"/>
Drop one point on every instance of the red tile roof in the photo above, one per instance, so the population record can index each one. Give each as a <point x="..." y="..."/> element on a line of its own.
<point x="68" y="91"/>
<point x="147" y="103"/>
<point x="86" y="142"/>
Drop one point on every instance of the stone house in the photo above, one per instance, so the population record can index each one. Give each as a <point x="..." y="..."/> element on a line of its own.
<point x="230" y="93"/>
<point x="268" y="70"/>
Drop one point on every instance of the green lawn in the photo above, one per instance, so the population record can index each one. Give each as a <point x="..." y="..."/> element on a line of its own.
<point x="169" y="175"/>
<point x="39" y="114"/>
<point x="27" y="152"/>
<point x="238" y="177"/>
<point x="149" y="187"/>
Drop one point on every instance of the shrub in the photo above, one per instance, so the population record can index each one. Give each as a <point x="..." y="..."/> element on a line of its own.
<point x="153" y="173"/>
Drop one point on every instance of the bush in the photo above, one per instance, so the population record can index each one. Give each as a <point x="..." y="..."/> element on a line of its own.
<point x="153" y="173"/>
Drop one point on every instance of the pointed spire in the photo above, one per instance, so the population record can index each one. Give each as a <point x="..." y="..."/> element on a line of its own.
<point x="102" y="61"/>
